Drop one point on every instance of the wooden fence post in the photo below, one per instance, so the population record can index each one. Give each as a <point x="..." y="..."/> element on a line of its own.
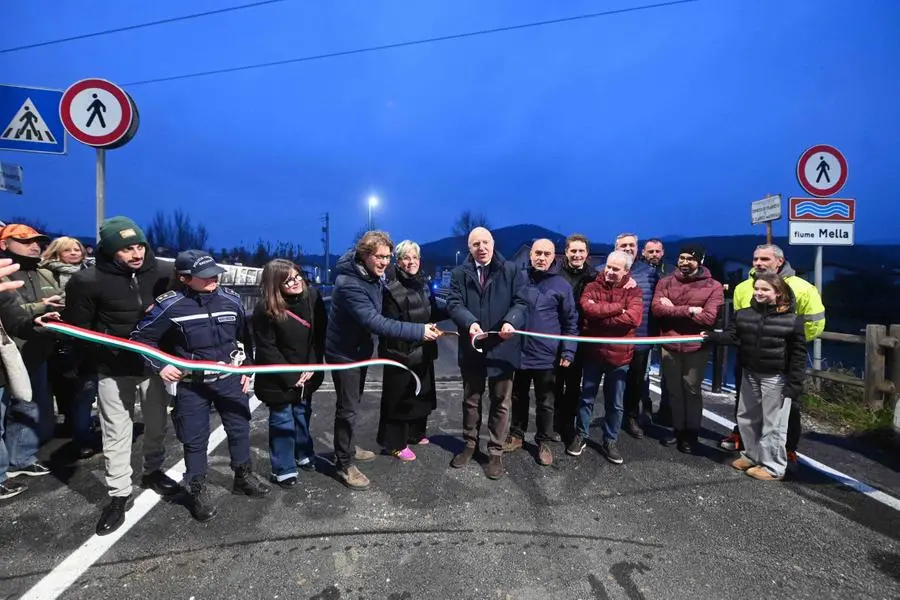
<point x="895" y="376"/>
<point x="874" y="375"/>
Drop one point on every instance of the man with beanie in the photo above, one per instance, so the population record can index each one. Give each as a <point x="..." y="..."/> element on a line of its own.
<point x="204" y="321"/>
<point x="686" y="302"/>
<point x="111" y="297"/>
<point x="38" y="295"/>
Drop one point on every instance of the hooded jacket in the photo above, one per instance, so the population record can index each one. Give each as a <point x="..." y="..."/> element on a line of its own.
<point x="685" y="291"/>
<point x="809" y="305"/>
<point x="355" y="315"/>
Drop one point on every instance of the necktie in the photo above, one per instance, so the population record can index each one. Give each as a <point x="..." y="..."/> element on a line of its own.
<point x="481" y="275"/>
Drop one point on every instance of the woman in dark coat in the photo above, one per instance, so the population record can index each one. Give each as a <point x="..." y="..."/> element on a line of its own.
<point x="288" y="328"/>
<point x="404" y="415"/>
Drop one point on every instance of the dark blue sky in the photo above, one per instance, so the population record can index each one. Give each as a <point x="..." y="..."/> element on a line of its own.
<point x="665" y="121"/>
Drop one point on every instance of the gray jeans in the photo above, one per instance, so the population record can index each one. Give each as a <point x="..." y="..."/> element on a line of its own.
<point x="683" y="374"/>
<point x="117" y="397"/>
<point x="762" y="419"/>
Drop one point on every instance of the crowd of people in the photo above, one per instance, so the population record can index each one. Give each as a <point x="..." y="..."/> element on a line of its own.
<point x="380" y="294"/>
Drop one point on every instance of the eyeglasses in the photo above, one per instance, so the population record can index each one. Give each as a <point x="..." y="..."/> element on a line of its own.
<point x="382" y="257"/>
<point x="687" y="259"/>
<point x="290" y="281"/>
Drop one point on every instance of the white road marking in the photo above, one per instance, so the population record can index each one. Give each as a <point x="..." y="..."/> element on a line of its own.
<point x="842" y="478"/>
<point x="68" y="571"/>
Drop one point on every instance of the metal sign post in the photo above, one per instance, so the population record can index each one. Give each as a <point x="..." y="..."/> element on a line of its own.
<point x="766" y="211"/>
<point x="101" y="189"/>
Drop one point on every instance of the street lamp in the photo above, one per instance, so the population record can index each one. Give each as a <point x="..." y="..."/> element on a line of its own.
<point x="373" y="202"/>
<point x="457" y="257"/>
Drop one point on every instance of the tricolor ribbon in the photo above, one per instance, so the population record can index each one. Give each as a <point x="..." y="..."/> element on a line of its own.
<point x="206" y="365"/>
<point x="627" y="341"/>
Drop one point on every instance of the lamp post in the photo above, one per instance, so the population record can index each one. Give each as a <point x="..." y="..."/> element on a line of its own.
<point x="373" y="202"/>
<point x="457" y="257"/>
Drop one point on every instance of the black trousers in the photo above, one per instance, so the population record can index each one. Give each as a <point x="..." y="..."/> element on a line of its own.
<point x="397" y="434"/>
<point x="635" y="384"/>
<point x="348" y="387"/>
<point x="544" y="396"/>
<point x="567" y="396"/>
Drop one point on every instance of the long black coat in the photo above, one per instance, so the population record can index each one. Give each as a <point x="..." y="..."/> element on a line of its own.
<point x="288" y="341"/>
<point x="501" y="300"/>
<point x="407" y="299"/>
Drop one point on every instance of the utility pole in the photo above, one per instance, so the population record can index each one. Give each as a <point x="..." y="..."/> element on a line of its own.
<point x="326" y="241"/>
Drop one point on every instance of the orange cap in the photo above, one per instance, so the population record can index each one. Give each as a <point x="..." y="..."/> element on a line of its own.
<point x="21" y="232"/>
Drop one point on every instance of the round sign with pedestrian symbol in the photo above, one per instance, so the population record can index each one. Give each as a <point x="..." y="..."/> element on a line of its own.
<point x="822" y="170"/>
<point x="98" y="113"/>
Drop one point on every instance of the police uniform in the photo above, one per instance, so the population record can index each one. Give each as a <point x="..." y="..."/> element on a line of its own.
<point x="211" y="327"/>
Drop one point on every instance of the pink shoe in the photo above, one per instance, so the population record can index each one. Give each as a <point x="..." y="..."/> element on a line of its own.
<point x="406" y="455"/>
<point x="423" y="441"/>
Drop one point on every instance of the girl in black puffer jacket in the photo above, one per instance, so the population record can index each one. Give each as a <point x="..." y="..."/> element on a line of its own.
<point x="772" y="352"/>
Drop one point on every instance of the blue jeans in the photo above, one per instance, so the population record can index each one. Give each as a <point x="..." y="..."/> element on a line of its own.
<point x="18" y="433"/>
<point x="289" y="439"/>
<point x="614" y="379"/>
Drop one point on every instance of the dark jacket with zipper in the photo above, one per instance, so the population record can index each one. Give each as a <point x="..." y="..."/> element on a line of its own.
<point x="111" y="298"/>
<point x="769" y="342"/>
<point x="501" y="300"/>
<point x="551" y="309"/>
<point x="355" y="315"/>
<point x="407" y="298"/>
<point x="298" y="338"/>
<point x="16" y="322"/>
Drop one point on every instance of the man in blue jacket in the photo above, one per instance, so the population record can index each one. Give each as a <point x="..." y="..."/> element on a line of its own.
<point x="486" y="294"/>
<point x="551" y="309"/>
<point x="353" y="321"/>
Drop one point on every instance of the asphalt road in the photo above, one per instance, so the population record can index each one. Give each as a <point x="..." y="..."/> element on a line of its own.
<point x="663" y="525"/>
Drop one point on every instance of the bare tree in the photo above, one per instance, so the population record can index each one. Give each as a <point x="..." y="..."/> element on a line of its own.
<point x="467" y="221"/>
<point x="175" y="232"/>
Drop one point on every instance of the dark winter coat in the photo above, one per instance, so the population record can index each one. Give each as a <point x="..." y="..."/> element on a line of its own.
<point x="610" y="310"/>
<point x="577" y="278"/>
<point x="684" y="291"/>
<point x="646" y="278"/>
<point x="355" y="316"/>
<point x="289" y="341"/>
<point x="111" y="298"/>
<point x="16" y="322"/>
<point x="39" y="284"/>
<point x="769" y="342"/>
<point x="406" y="298"/>
<point x="551" y="309"/>
<point x="501" y="301"/>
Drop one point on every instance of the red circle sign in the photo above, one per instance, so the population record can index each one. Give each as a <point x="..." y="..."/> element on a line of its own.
<point x="97" y="113"/>
<point x="822" y="170"/>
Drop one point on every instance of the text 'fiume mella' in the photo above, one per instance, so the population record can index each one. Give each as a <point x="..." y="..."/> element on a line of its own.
<point x="836" y="234"/>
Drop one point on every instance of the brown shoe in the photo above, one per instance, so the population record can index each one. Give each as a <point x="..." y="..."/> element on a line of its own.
<point x="544" y="457"/>
<point x="463" y="458"/>
<point x="363" y="455"/>
<point x="353" y="478"/>
<point x="494" y="469"/>
<point x="761" y="474"/>
<point x="512" y="444"/>
<point x="742" y="463"/>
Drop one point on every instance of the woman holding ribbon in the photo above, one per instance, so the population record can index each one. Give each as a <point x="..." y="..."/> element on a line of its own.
<point x="404" y="415"/>
<point x="288" y="328"/>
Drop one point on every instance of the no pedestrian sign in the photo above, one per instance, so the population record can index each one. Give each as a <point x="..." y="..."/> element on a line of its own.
<point x="98" y="113"/>
<point x="822" y="170"/>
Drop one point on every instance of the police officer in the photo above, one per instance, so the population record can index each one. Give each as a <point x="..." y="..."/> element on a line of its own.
<point x="204" y="321"/>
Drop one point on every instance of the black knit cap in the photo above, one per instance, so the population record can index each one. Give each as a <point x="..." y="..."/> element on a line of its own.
<point x="695" y="250"/>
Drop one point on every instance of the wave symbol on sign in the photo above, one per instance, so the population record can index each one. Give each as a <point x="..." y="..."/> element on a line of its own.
<point x="817" y="210"/>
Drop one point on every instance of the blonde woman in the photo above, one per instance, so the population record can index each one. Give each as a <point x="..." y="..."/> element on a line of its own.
<point x="63" y="257"/>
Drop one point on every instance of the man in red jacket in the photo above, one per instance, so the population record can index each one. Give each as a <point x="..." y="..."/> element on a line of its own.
<point x="609" y="310"/>
<point x="686" y="302"/>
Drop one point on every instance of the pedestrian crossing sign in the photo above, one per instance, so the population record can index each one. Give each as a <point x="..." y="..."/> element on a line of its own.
<point x="30" y="121"/>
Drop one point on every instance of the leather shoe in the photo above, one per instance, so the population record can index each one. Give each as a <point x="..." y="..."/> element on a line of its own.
<point x="113" y="514"/>
<point x="685" y="447"/>
<point x="160" y="483"/>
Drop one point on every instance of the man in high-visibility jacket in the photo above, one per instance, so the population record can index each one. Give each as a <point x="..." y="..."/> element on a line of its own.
<point x="808" y="302"/>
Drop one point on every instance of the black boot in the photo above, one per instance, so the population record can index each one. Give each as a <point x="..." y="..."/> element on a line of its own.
<point x="246" y="482"/>
<point x="202" y="507"/>
<point x="113" y="514"/>
<point x="686" y="442"/>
